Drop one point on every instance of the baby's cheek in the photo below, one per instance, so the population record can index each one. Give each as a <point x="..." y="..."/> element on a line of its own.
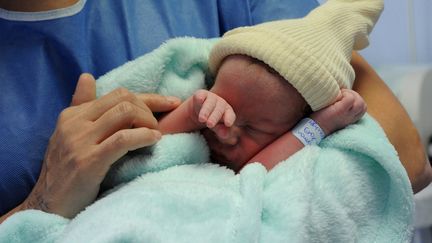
<point x="249" y="147"/>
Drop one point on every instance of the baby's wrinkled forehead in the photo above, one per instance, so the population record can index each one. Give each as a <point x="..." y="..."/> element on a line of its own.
<point x="269" y="80"/>
<point x="253" y="74"/>
<point x="258" y="87"/>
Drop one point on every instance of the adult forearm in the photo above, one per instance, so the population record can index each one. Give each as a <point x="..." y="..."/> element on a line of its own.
<point x="400" y="130"/>
<point x="33" y="202"/>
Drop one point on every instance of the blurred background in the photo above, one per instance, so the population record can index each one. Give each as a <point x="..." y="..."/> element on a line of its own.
<point x="403" y="34"/>
<point x="401" y="51"/>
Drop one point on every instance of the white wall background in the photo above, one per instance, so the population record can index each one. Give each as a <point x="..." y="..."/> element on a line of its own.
<point x="403" y="34"/>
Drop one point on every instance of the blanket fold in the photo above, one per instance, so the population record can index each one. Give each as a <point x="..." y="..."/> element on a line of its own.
<point x="350" y="188"/>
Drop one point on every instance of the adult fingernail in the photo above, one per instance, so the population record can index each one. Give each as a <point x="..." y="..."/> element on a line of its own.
<point x="157" y="134"/>
<point x="173" y="99"/>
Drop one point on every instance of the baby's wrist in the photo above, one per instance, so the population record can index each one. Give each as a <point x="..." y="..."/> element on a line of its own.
<point x="308" y="132"/>
<point x="191" y="113"/>
<point x="323" y="124"/>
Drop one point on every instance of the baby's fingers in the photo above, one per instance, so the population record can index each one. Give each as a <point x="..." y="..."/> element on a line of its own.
<point x="359" y="106"/>
<point x="229" y="116"/>
<point x="217" y="113"/>
<point x="207" y="108"/>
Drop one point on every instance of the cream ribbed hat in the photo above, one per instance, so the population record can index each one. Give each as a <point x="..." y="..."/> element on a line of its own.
<point x="313" y="53"/>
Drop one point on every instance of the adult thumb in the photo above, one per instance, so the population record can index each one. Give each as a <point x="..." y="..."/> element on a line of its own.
<point x="85" y="90"/>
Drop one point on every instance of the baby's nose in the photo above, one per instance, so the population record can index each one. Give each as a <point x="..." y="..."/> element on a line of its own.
<point x="226" y="135"/>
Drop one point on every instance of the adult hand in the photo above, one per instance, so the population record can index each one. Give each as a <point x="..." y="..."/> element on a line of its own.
<point x="89" y="137"/>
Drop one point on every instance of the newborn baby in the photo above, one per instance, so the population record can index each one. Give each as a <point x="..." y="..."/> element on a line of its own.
<point x="248" y="114"/>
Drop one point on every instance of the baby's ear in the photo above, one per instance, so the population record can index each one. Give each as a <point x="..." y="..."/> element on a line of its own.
<point x="339" y="96"/>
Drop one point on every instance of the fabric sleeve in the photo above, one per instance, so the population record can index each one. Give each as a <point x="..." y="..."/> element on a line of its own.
<point x="233" y="14"/>
<point x="268" y="10"/>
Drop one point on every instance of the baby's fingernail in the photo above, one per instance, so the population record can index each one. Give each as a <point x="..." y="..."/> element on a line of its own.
<point x="210" y="124"/>
<point x="202" y="119"/>
<point x="173" y="100"/>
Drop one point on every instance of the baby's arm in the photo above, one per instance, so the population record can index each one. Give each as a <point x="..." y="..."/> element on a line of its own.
<point x="203" y="109"/>
<point x="347" y="110"/>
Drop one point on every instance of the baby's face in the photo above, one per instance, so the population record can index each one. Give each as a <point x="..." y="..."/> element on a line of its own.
<point x="266" y="107"/>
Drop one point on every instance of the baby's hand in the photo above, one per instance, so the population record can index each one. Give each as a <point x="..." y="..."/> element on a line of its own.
<point x="211" y="109"/>
<point x="345" y="111"/>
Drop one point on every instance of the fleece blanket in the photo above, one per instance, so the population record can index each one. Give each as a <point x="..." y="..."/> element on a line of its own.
<point x="350" y="188"/>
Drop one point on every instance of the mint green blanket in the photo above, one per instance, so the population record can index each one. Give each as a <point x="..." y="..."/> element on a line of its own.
<point x="351" y="188"/>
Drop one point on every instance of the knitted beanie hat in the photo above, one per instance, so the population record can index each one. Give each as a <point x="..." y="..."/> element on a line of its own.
<point x="312" y="53"/>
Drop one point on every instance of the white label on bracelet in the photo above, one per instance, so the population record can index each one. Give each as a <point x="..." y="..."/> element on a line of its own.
<point x="308" y="132"/>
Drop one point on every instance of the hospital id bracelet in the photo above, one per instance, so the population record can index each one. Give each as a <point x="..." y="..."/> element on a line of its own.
<point x="308" y="132"/>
